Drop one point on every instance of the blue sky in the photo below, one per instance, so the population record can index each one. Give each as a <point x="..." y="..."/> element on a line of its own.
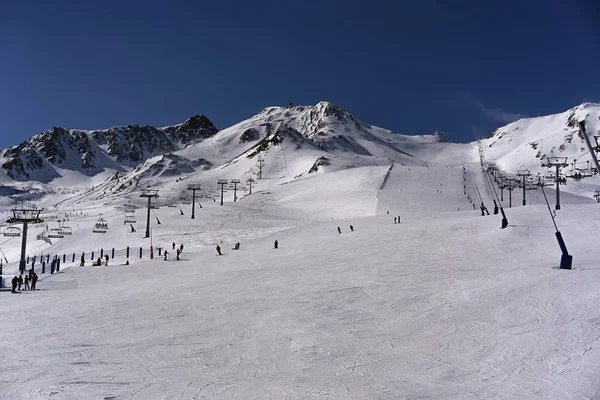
<point x="462" y="67"/>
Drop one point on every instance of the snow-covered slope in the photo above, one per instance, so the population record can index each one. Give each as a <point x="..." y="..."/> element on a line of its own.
<point x="443" y="305"/>
<point x="526" y="143"/>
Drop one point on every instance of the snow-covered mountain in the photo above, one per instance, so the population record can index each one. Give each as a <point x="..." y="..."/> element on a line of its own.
<point x="45" y="155"/>
<point x="292" y="142"/>
<point x="524" y="144"/>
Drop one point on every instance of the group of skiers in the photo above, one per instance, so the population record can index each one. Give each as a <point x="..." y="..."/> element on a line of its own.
<point x="179" y="251"/>
<point x="237" y="246"/>
<point x="17" y="282"/>
<point x="340" y="229"/>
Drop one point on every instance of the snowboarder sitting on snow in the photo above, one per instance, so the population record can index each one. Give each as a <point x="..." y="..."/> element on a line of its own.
<point x="219" y="250"/>
<point x="237" y="246"/>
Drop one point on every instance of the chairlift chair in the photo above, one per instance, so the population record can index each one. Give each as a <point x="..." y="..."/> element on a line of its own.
<point x="55" y="233"/>
<point x="130" y="217"/>
<point x="101" y="226"/>
<point x="66" y="230"/>
<point x="12" y="231"/>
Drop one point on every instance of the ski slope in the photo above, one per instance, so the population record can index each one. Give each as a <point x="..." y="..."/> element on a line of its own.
<point x="443" y="305"/>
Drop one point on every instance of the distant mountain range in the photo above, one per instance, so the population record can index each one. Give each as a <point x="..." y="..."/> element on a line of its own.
<point x="293" y="142"/>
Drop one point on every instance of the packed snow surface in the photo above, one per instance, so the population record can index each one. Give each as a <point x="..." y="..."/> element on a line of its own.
<point x="443" y="305"/>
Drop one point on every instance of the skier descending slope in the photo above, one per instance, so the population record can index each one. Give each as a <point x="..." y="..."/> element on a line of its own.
<point x="219" y="250"/>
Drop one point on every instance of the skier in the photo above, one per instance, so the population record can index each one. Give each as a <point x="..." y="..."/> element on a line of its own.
<point x="132" y="228"/>
<point x="395" y="219"/>
<point x="166" y="253"/>
<point x="398" y="219"/>
<point x="14" y="282"/>
<point x="106" y="258"/>
<point x="82" y="263"/>
<point x="26" y="287"/>
<point x="219" y="250"/>
<point x="181" y="247"/>
<point x="178" y="253"/>
<point x="34" y="279"/>
<point x="339" y="230"/>
<point x="276" y="244"/>
<point x="351" y="228"/>
<point x="20" y="281"/>
<point x="173" y="245"/>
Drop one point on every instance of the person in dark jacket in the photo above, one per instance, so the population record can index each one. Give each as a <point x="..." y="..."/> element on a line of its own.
<point x="351" y="228"/>
<point x="173" y="245"/>
<point x="178" y="253"/>
<point x="15" y="282"/>
<point x="339" y="230"/>
<point x="20" y="282"/>
<point x="82" y="262"/>
<point x="219" y="250"/>
<point x="34" y="280"/>
<point x="106" y="258"/>
<point x="26" y="287"/>
<point x="276" y="244"/>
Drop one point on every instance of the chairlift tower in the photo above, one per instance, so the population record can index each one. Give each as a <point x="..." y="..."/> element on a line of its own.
<point x="524" y="173"/>
<point x="250" y="181"/>
<point x="260" y="164"/>
<point x="222" y="182"/>
<point x="510" y="188"/>
<point x="235" y="183"/>
<point x="149" y="194"/>
<point x="558" y="162"/>
<point x="24" y="216"/>
<point x="193" y="187"/>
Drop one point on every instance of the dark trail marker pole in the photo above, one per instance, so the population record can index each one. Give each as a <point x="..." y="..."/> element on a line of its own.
<point x="235" y="183"/>
<point x="524" y="173"/>
<point x="222" y="182"/>
<point x="24" y="216"/>
<point x="149" y="194"/>
<point x="566" y="260"/>
<point x="193" y="187"/>
<point x="558" y="162"/>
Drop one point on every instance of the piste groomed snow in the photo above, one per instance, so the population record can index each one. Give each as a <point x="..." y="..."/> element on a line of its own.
<point x="442" y="305"/>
